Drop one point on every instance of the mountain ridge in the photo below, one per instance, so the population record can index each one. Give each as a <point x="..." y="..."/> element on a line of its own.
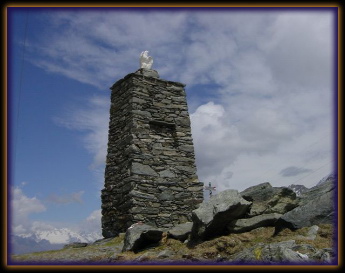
<point x="44" y="240"/>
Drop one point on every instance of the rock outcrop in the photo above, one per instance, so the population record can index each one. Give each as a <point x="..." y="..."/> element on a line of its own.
<point x="287" y="252"/>
<point x="316" y="207"/>
<point x="247" y="224"/>
<point x="211" y="218"/>
<point x="267" y="199"/>
<point x="233" y="212"/>
<point x="140" y="236"/>
<point x="181" y="231"/>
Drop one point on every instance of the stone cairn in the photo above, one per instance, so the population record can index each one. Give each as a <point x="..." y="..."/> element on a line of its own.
<point x="150" y="174"/>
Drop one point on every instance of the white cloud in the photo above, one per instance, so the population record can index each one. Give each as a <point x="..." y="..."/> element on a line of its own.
<point x="300" y="49"/>
<point x="22" y="207"/>
<point x="93" y="119"/>
<point x="92" y="223"/>
<point x="94" y="216"/>
<point x="273" y="72"/>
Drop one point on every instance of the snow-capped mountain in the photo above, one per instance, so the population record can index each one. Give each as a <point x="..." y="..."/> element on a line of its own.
<point x="327" y="178"/>
<point x="61" y="236"/>
<point x="298" y="189"/>
<point x="49" y="239"/>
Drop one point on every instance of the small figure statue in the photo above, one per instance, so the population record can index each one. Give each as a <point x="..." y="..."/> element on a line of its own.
<point x="146" y="61"/>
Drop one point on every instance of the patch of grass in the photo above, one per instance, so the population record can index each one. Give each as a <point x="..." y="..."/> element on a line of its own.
<point x="115" y="241"/>
<point x="257" y="253"/>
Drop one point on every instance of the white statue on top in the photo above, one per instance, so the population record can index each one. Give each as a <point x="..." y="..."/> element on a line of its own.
<point x="146" y="61"/>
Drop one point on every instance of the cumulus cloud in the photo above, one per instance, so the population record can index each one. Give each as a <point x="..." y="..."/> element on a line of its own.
<point x="92" y="223"/>
<point x="22" y="207"/>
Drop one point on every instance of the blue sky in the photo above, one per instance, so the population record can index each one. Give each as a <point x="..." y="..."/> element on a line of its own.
<point x="260" y="87"/>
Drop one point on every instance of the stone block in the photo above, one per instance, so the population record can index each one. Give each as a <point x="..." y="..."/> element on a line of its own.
<point x="138" y="168"/>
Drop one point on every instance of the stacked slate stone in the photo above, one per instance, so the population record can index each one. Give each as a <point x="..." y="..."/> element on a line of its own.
<point x="150" y="173"/>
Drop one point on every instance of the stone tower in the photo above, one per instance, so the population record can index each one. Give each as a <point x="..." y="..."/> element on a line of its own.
<point x="150" y="173"/>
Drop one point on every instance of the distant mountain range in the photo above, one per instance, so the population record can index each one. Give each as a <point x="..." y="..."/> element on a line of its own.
<point x="327" y="178"/>
<point x="44" y="240"/>
<point x="300" y="189"/>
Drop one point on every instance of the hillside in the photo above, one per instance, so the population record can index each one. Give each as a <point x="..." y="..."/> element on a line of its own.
<point x="223" y="249"/>
<point x="262" y="224"/>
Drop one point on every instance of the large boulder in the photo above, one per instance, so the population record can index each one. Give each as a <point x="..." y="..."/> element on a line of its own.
<point x="267" y="199"/>
<point x="320" y="189"/>
<point x="317" y="207"/>
<point x="181" y="231"/>
<point x="247" y="224"/>
<point x="211" y="218"/>
<point x="141" y="236"/>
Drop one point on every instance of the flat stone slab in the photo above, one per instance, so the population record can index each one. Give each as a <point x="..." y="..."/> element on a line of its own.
<point x="247" y="224"/>
<point x="140" y="236"/>
<point x="317" y="211"/>
<point x="138" y="168"/>
<point x="181" y="231"/>
<point x="211" y="218"/>
<point x="282" y="252"/>
<point x="147" y="72"/>
<point x="267" y="199"/>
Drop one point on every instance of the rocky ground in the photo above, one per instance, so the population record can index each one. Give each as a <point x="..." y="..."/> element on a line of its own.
<point x="256" y="246"/>
<point x="261" y="225"/>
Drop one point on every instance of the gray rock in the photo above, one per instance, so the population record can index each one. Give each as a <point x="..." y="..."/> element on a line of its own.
<point x="267" y="199"/>
<point x="325" y="255"/>
<point x="311" y="234"/>
<point x="212" y="217"/>
<point x="317" y="191"/>
<point x="132" y="149"/>
<point x="138" y="168"/>
<point x="281" y="252"/>
<point x="102" y="241"/>
<point x="181" y="231"/>
<point x="182" y="195"/>
<point x="247" y="224"/>
<point x="142" y="195"/>
<point x="317" y="211"/>
<point x="167" y="173"/>
<point x="141" y="236"/>
<point x="298" y="189"/>
<point x="142" y="113"/>
<point x="166" y="196"/>
<point x="147" y="72"/>
<point x="165" y="254"/>
<point x="145" y="257"/>
<point x="261" y="192"/>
